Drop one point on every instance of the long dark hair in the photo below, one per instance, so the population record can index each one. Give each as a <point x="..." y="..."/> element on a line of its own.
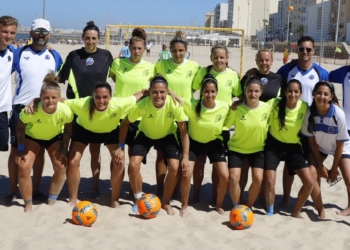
<point x="92" y="99"/>
<point x="158" y="78"/>
<point x="208" y="78"/>
<point x="138" y="35"/>
<point x="281" y="104"/>
<point x="179" y="38"/>
<point x="91" y="26"/>
<point x="311" y="128"/>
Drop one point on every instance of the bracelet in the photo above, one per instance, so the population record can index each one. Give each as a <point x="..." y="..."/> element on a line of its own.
<point x="121" y="145"/>
<point x="21" y="147"/>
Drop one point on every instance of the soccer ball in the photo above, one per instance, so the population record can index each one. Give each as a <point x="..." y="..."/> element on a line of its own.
<point x="149" y="206"/>
<point x="84" y="213"/>
<point x="241" y="217"/>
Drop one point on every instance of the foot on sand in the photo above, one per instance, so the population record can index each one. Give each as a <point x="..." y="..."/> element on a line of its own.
<point x="183" y="210"/>
<point x="297" y="215"/>
<point x="168" y="209"/>
<point x="115" y="204"/>
<point x="220" y="210"/>
<point x="72" y="202"/>
<point x="344" y="212"/>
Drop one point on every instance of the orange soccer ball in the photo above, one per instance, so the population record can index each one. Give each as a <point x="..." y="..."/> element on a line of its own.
<point x="291" y="8"/>
<point x="149" y="206"/>
<point x="241" y="217"/>
<point x="84" y="213"/>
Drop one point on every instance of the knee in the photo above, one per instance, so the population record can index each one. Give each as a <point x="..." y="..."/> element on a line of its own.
<point x="24" y="170"/>
<point x="74" y="164"/>
<point x="234" y="180"/>
<point x="173" y="168"/>
<point x="134" y="168"/>
<point x="257" y="180"/>
<point x="60" y="169"/>
<point x="270" y="183"/>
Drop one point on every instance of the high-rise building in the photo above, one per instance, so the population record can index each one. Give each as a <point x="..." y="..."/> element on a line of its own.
<point x="220" y="15"/>
<point x="209" y="20"/>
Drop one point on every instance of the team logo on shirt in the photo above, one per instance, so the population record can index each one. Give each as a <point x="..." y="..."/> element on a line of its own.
<point x="264" y="117"/>
<point x="311" y="77"/>
<point x="150" y="116"/>
<point x="243" y="118"/>
<point x="169" y="115"/>
<point x="26" y="57"/>
<point x="300" y="116"/>
<point x="125" y="70"/>
<point x="38" y="121"/>
<point x="145" y="72"/>
<point x="331" y="130"/>
<point x="168" y="71"/>
<point x="264" y="81"/>
<point x="9" y="59"/>
<point x="59" y="121"/>
<point x="228" y="83"/>
<point x="89" y="61"/>
<point x="47" y="57"/>
<point x="113" y="115"/>
<point x="218" y="118"/>
<point x="189" y="73"/>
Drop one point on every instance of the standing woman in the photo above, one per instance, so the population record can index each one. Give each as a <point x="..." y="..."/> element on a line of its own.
<point x="229" y="86"/>
<point x="132" y="75"/>
<point x="206" y="120"/>
<point x="179" y="73"/>
<point x="157" y="128"/>
<point x="283" y="144"/>
<point x="325" y="127"/>
<point x="49" y="127"/>
<point x="82" y="69"/>
<point x="250" y="121"/>
<point x="97" y="122"/>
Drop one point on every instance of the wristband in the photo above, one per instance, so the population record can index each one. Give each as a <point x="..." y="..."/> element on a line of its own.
<point x="122" y="145"/>
<point x="21" y="147"/>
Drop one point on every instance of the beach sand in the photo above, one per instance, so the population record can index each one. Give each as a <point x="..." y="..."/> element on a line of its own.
<point x="202" y="228"/>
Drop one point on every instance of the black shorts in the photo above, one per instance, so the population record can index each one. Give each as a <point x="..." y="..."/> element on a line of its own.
<point x="305" y="145"/>
<point x="46" y="143"/>
<point x="214" y="150"/>
<point x="132" y="130"/>
<point x="16" y="109"/>
<point x="178" y="137"/>
<point x="85" y="136"/>
<point x="148" y="50"/>
<point x="4" y="131"/>
<point x="235" y="159"/>
<point x="276" y="151"/>
<point x="225" y="138"/>
<point x="168" y="145"/>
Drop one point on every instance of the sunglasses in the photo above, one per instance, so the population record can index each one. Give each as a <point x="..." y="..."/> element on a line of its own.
<point x="37" y="32"/>
<point x="302" y="49"/>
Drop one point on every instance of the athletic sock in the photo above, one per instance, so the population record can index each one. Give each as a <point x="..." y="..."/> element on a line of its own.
<point x="269" y="210"/>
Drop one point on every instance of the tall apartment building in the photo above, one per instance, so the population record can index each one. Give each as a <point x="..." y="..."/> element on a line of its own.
<point x="344" y="20"/>
<point x="209" y="20"/>
<point x="220" y="15"/>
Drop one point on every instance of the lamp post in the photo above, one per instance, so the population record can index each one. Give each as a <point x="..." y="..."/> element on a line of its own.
<point x="290" y="8"/>
<point x="44" y="6"/>
<point x="337" y="28"/>
<point x="248" y="19"/>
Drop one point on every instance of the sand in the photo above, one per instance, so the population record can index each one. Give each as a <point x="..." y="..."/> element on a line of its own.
<point x="202" y="228"/>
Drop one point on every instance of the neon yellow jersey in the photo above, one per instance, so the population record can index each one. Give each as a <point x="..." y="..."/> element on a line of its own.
<point x="157" y="123"/>
<point x="102" y="121"/>
<point x="293" y="122"/>
<point x="178" y="76"/>
<point x="251" y="127"/>
<point x="44" y="126"/>
<point x="228" y="83"/>
<point x="208" y="126"/>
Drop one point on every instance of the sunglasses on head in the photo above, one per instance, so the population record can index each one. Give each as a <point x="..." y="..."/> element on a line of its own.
<point x="302" y="49"/>
<point x="37" y="32"/>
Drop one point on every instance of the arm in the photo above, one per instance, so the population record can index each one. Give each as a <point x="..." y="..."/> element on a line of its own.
<point x="175" y="97"/>
<point x="141" y="94"/>
<point x="32" y="107"/>
<point x="65" y="141"/>
<point x="119" y="155"/>
<point x="337" y="157"/>
<point x="185" y="141"/>
<point x="316" y="153"/>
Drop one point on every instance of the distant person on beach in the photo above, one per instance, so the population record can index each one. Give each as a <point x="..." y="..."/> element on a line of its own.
<point x="31" y="63"/>
<point x="161" y="116"/>
<point x="29" y="41"/>
<point x="308" y="73"/>
<point x="49" y="127"/>
<point x="325" y="128"/>
<point x="179" y="73"/>
<point x="229" y="86"/>
<point x="165" y="53"/>
<point x="125" y="52"/>
<point x="97" y="122"/>
<point x="286" y="54"/>
<point x="149" y="46"/>
<point x="83" y="68"/>
<point x="206" y="118"/>
<point x="8" y="29"/>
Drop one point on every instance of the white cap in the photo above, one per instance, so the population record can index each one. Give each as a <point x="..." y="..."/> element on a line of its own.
<point x="41" y="23"/>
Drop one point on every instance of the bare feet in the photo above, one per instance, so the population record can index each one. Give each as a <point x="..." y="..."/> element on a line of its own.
<point x="220" y="210"/>
<point x="183" y="210"/>
<point x="115" y="204"/>
<point x="28" y="206"/>
<point x="321" y="214"/>
<point x="344" y="212"/>
<point x="168" y="209"/>
<point x="297" y="215"/>
<point x="51" y="202"/>
<point x="72" y="202"/>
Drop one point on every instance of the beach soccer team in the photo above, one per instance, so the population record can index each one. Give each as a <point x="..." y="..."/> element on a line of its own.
<point x="292" y="116"/>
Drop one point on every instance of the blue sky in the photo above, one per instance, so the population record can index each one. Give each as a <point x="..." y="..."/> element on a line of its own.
<point x="75" y="13"/>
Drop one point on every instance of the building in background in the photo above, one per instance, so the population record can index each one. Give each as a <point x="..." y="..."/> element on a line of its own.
<point x="220" y="15"/>
<point x="209" y="21"/>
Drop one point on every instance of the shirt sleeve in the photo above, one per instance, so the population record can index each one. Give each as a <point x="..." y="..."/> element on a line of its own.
<point x="137" y="111"/>
<point x="25" y="118"/>
<point x="339" y="75"/>
<point x="197" y="80"/>
<point x="305" y="125"/>
<point x="237" y="88"/>
<point x="342" y="127"/>
<point x="64" y="71"/>
<point x="230" y="119"/>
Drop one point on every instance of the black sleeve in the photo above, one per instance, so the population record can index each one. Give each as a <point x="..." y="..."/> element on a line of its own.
<point x="66" y="67"/>
<point x="244" y="78"/>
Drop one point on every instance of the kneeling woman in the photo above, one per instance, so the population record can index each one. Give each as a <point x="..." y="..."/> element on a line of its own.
<point x="44" y="128"/>
<point x="325" y="126"/>
<point x="250" y="121"/>
<point x="206" y="120"/>
<point x="283" y="144"/>
<point x="97" y="121"/>
<point x="157" y="128"/>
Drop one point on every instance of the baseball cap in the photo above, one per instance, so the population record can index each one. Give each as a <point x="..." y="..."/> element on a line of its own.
<point x="41" y="23"/>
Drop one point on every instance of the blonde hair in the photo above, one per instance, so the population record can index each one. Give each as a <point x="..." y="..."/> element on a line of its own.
<point x="50" y="82"/>
<point x="264" y="50"/>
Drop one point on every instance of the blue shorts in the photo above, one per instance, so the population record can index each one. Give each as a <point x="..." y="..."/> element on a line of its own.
<point x="4" y="131"/>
